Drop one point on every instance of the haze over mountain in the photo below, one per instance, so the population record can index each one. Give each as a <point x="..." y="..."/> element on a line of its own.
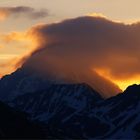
<point x="79" y="50"/>
<point x="76" y="50"/>
<point x="69" y="49"/>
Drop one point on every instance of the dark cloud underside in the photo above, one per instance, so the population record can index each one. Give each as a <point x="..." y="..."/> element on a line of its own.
<point x="74" y="48"/>
<point x="25" y="11"/>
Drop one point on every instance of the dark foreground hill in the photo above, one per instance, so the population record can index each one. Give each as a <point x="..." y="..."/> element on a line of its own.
<point x="14" y="124"/>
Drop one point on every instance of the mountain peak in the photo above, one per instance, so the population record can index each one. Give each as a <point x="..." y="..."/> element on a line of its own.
<point x="133" y="89"/>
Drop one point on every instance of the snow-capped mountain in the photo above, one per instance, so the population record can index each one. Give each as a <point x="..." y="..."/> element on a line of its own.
<point x="75" y="110"/>
<point x="123" y="112"/>
<point x="114" y="118"/>
<point x="19" y="83"/>
<point x="25" y="80"/>
<point x="66" y="99"/>
<point x="68" y="113"/>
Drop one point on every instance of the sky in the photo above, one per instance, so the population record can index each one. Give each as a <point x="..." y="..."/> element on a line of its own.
<point x="19" y="17"/>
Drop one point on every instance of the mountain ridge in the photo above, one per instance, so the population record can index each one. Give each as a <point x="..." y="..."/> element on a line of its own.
<point x="23" y="80"/>
<point x="73" y="110"/>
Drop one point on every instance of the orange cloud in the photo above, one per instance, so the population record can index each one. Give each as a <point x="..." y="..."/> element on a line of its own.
<point x="91" y="49"/>
<point x="14" y="36"/>
<point x="8" y="65"/>
<point x="19" y="37"/>
<point x="3" y="16"/>
<point x="90" y="42"/>
<point x="10" y="62"/>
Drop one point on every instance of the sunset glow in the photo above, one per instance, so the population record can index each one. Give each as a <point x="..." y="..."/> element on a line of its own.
<point x="22" y="29"/>
<point x="6" y="56"/>
<point x="122" y="83"/>
<point x="2" y="16"/>
<point x="23" y="43"/>
<point x="70" y="69"/>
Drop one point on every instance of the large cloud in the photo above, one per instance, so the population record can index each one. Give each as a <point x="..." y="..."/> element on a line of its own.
<point x="24" y="11"/>
<point x="83" y="46"/>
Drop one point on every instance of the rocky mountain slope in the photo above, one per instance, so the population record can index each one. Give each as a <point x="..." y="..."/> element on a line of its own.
<point x="68" y="113"/>
<point x="67" y="110"/>
<point x="56" y="99"/>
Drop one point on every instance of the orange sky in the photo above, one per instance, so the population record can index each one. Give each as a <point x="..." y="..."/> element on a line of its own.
<point x="19" y="39"/>
<point x="13" y="40"/>
<point x="122" y="83"/>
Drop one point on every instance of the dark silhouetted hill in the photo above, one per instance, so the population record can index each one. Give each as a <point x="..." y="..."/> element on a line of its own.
<point x="14" y="124"/>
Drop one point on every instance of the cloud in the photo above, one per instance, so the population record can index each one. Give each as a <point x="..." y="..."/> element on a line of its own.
<point x="9" y="64"/>
<point x="18" y="39"/>
<point x="19" y="43"/>
<point x="22" y="11"/>
<point x="13" y="37"/>
<point x="99" y="42"/>
<point x="100" y="15"/>
<point x="87" y="49"/>
<point x="70" y="51"/>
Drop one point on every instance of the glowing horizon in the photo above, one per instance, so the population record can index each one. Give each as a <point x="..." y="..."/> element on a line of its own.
<point x="17" y="18"/>
<point x="23" y="37"/>
<point x="124" y="83"/>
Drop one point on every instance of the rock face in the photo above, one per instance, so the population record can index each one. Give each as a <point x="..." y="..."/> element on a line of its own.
<point x="68" y="99"/>
<point x="69" y="110"/>
<point x="77" y="111"/>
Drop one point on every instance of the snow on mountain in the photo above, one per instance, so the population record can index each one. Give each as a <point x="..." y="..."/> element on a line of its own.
<point x="19" y="83"/>
<point x="26" y="80"/>
<point x="114" y="118"/>
<point x="77" y="111"/>
<point x="57" y="99"/>
<point x="123" y="112"/>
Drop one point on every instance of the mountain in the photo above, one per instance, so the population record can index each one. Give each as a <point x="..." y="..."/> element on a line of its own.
<point x="70" y="111"/>
<point x="124" y="114"/>
<point x="69" y="114"/>
<point x="114" y="118"/>
<point x="56" y="99"/>
<point x="19" y="83"/>
<point x="23" y="81"/>
<point x="14" y="124"/>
